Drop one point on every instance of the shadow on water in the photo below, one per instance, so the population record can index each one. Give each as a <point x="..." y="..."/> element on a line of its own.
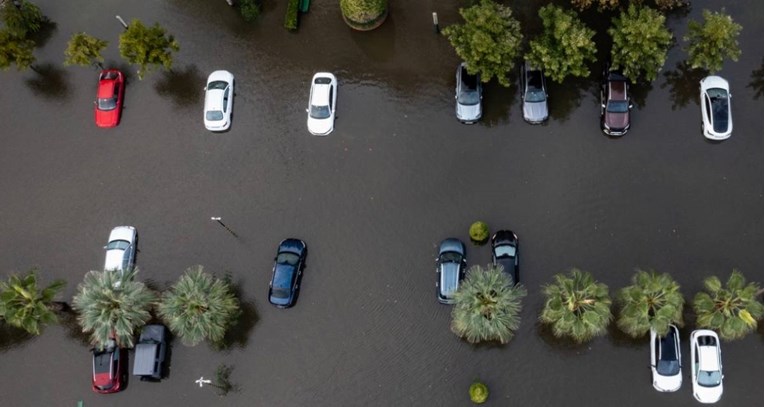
<point x="567" y="96"/>
<point x="238" y="335"/>
<point x="379" y="44"/>
<point x="563" y="346"/>
<point x="49" y="82"/>
<point x="12" y="337"/>
<point x="683" y="84"/>
<point x="621" y="339"/>
<point x="68" y="320"/>
<point x="180" y="86"/>
<point x="756" y="83"/>
<point x="498" y="102"/>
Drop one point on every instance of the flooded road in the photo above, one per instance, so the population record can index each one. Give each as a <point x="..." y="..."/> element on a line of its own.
<point x="372" y="200"/>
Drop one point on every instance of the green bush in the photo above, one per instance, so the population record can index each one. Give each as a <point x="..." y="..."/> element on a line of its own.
<point x="479" y="393"/>
<point x="249" y="9"/>
<point x="479" y="232"/>
<point x="291" y="18"/>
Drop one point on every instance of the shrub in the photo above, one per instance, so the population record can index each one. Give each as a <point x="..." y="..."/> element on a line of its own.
<point x="249" y="9"/>
<point x="479" y="232"/>
<point x="479" y="393"/>
<point x="291" y="18"/>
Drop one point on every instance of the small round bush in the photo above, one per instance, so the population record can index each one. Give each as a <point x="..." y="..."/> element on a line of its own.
<point x="479" y="232"/>
<point x="479" y="393"/>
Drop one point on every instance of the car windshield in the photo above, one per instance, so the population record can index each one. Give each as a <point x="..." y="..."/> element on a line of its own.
<point x="534" y="92"/>
<point x="709" y="379"/>
<point x="719" y="98"/>
<point x="118" y="245"/>
<point x="107" y="103"/>
<point x="287" y="258"/>
<point x="214" y="115"/>
<point x="450" y="257"/>
<point x="617" y="106"/>
<point x="668" y="367"/>
<point x="504" y="250"/>
<point x="280" y="293"/>
<point x="319" y="112"/>
<point x="216" y="85"/>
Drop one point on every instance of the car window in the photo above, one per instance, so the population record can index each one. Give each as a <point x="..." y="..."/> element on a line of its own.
<point x="225" y="99"/>
<point x="319" y="112"/>
<point x="331" y="92"/>
<point x="450" y="257"/>
<point x="709" y="379"/>
<point x="287" y="258"/>
<point x="107" y="104"/>
<point x="220" y="85"/>
<point x="617" y="106"/>
<point x="214" y="115"/>
<point x="118" y="245"/>
<point x="504" y="250"/>
<point x="719" y="111"/>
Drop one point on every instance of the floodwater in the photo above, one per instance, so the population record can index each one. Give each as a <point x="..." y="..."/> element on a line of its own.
<point x="372" y="200"/>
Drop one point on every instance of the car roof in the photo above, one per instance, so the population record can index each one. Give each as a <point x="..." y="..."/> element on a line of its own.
<point x="106" y="88"/>
<point x="708" y="360"/>
<point x="617" y="90"/>
<point x="320" y="94"/>
<point x="449" y="278"/>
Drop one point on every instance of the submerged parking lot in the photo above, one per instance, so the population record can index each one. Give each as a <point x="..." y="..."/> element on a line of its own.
<point x="372" y="200"/>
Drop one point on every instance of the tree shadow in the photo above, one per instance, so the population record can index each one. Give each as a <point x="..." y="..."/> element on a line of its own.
<point x="564" y="346"/>
<point x="49" y="82"/>
<point x="497" y="102"/>
<point x="621" y="339"/>
<point x="639" y="92"/>
<point x="756" y="83"/>
<point x="683" y="84"/>
<point x="238" y="334"/>
<point x="567" y="96"/>
<point x="183" y="87"/>
<point x="44" y="34"/>
<point x="12" y="337"/>
<point x="68" y="320"/>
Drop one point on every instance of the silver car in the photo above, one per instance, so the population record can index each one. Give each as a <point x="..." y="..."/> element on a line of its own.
<point x="533" y="94"/>
<point x="450" y="268"/>
<point x="468" y="94"/>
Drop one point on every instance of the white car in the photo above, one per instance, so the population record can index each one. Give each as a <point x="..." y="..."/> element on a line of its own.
<point x="120" y="250"/>
<point x="716" y="118"/>
<point x="666" y="365"/>
<point x="219" y="100"/>
<point x="706" y="366"/>
<point x="321" y="104"/>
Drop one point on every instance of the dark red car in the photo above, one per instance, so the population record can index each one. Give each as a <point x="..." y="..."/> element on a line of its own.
<point x="111" y="88"/>
<point x="108" y="369"/>
<point x="615" y="104"/>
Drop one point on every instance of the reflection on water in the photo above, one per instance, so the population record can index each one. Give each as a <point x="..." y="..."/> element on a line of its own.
<point x="756" y="83"/>
<point x="683" y="83"/>
<point x="180" y="85"/>
<point x="566" y="97"/>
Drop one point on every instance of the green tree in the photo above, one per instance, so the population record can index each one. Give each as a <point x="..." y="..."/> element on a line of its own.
<point x="601" y="4"/>
<point x="364" y="14"/>
<point x="199" y="307"/>
<point x="24" y="305"/>
<point x="479" y="392"/>
<point x="640" y="42"/>
<point x="147" y="46"/>
<point x="249" y="9"/>
<point x="112" y="305"/>
<point x="733" y="310"/>
<point x="487" y="306"/>
<point x="576" y="306"/>
<point x="710" y="42"/>
<point x="21" y="17"/>
<point x="489" y="40"/>
<point x="15" y="50"/>
<point x="565" y="46"/>
<point x="652" y="301"/>
<point x="83" y="49"/>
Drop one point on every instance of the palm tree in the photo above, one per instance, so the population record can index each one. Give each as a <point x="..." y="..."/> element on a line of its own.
<point x="652" y="301"/>
<point x="112" y="305"/>
<point x="199" y="306"/>
<point x="364" y="15"/>
<point x="25" y="306"/>
<point x="577" y="306"/>
<point x="486" y="306"/>
<point x="732" y="310"/>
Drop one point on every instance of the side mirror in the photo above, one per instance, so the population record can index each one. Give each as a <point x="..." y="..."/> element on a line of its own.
<point x="630" y="106"/>
<point x="104" y="247"/>
<point x="603" y="105"/>
<point x="306" y="110"/>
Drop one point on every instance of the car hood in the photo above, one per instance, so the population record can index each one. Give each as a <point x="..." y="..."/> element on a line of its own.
<point x="468" y="112"/>
<point x="707" y="394"/>
<point x="114" y="259"/>
<point x="103" y="381"/>
<point x="667" y="383"/>
<point x="617" y="121"/>
<point x="107" y="118"/>
<point x="535" y="112"/>
<point x="320" y="127"/>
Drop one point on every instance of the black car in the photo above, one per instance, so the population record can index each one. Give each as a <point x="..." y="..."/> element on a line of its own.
<point x="288" y="267"/>
<point x="615" y="103"/>
<point x="150" y="352"/>
<point x="504" y="252"/>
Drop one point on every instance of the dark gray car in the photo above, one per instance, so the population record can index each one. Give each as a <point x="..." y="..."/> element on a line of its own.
<point x="150" y="352"/>
<point x="450" y="268"/>
<point x="533" y="94"/>
<point x="468" y="95"/>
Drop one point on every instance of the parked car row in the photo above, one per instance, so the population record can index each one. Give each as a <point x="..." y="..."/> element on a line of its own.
<point x="110" y="364"/>
<point x="452" y="262"/>
<point x="615" y="102"/>
<point x="706" y="363"/>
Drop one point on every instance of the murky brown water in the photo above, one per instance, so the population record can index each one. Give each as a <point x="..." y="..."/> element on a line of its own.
<point x="372" y="200"/>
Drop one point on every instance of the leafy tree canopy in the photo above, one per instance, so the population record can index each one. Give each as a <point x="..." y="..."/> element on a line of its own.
<point x="652" y="301"/>
<point x="21" y="17"/>
<point x="83" y="49"/>
<point x="24" y="305"/>
<point x="489" y="40"/>
<point x="16" y="51"/>
<point x="147" y="46"/>
<point x="641" y="41"/>
<point x="710" y="42"/>
<point x="565" y="46"/>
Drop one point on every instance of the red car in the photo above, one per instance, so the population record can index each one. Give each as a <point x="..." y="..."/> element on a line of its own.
<point x="108" y="369"/>
<point x="111" y="88"/>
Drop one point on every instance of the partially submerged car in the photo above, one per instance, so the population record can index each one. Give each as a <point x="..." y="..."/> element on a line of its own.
<point x="150" y="352"/>
<point x="468" y="95"/>
<point x="666" y="365"/>
<point x="321" y="104"/>
<point x="706" y="366"/>
<point x="219" y="100"/>
<point x="533" y="94"/>
<point x="615" y="104"/>
<point x="450" y="269"/>
<point x="109" y="97"/>
<point x="716" y="118"/>
<point x="288" y="268"/>
<point x="504" y="252"/>
<point x="108" y="368"/>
